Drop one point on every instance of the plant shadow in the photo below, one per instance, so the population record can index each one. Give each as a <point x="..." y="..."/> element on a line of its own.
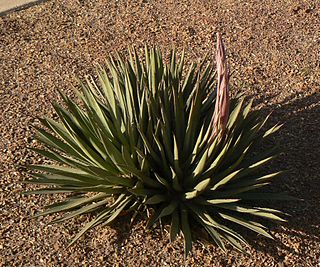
<point x="299" y="141"/>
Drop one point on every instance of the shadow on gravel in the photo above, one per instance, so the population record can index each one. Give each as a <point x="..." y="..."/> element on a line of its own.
<point x="299" y="140"/>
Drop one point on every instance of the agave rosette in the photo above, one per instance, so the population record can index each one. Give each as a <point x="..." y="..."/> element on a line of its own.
<point x="153" y="135"/>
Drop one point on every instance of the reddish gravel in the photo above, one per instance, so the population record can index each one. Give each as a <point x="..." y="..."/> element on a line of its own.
<point x="274" y="51"/>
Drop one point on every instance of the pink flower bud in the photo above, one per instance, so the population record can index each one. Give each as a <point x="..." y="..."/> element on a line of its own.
<point x="221" y="112"/>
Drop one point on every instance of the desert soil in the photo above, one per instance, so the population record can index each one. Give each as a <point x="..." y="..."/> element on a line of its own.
<point x="274" y="52"/>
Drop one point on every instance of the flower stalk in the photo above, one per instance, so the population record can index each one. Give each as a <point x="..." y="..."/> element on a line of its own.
<point x="221" y="112"/>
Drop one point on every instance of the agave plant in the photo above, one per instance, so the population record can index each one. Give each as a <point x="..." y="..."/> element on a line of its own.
<point x="160" y="138"/>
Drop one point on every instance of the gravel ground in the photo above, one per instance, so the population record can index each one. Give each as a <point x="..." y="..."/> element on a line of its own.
<point x="274" y="51"/>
